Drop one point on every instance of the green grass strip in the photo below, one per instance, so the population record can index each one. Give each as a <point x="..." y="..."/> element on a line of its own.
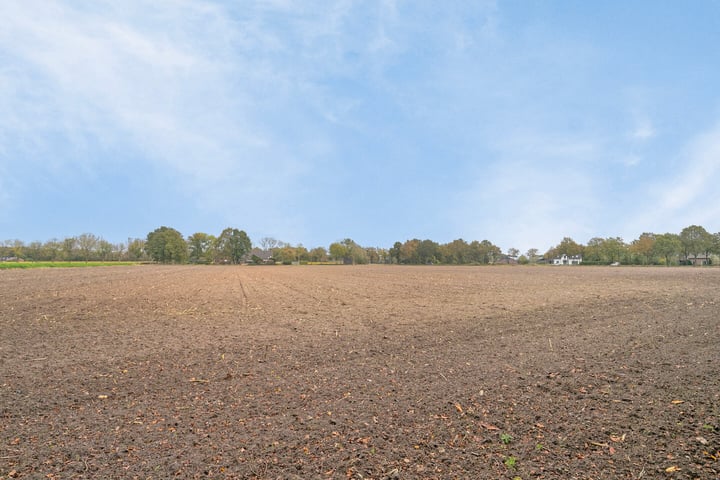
<point x="8" y="265"/>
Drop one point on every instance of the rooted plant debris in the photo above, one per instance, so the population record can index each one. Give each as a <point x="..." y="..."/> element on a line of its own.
<point x="367" y="372"/>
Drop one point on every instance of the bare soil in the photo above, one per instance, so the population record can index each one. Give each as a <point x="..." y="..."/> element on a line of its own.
<point x="360" y="372"/>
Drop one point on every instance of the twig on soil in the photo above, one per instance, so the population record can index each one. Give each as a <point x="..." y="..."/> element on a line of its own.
<point x="198" y="380"/>
<point x="441" y="374"/>
<point x="551" y="347"/>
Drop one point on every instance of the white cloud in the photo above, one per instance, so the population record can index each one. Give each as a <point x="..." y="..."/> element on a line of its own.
<point x="168" y="81"/>
<point x="643" y="130"/>
<point x="536" y="193"/>
<point x="631" y="160"/>
<point x="684" y="195"/>
<point x="695" y="185"/>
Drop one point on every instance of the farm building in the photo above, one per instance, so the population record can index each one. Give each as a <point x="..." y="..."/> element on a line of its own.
<point x="697" y="259"/>
<point x="564" y="259"/>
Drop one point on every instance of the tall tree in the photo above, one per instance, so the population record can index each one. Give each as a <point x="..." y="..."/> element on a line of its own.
<point x="484" y="252"/>
<point x="715" y="244"/>
<point x="695" y="241"/>
<point x="409" y="251"/>
<point x="338" y="252"/>
<point x="456" y="252"/>
<point x="395" y="252"/>
<point x="69" y="248"/>
<point x="532" y="255"/>
<point x="427" y="252"/>
<point x="201" y="246"/>
<point x="136" y="249"/>
<point x="105" y="250"/>
<point x="668" y="246"/>
<point x="318" y="254"/>
<point x="87" y="243"/>
<point x="567" y="246"/>
<point x="644" y="247"/>
<point x="233" y="245"/>
<point x="268" y="243"/>
<point x="166" y="245"/>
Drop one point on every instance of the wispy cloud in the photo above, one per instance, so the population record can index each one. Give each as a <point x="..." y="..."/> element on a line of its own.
<point x="685" y="193"/>
<point x="693" y="187"/>
<point x="297" y="118"/>
<point x="171" y="82"/>
<point x="643" y="130"/>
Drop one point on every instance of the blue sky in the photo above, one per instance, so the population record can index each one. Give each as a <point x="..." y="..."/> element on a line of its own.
<point x="519" y="122"/>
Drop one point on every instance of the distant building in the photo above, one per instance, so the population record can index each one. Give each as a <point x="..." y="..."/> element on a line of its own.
<point x="258" y="255"/>
<point x="698" y="259"/>
<point x="565" y="259"/>
<point x="507" y="259"/>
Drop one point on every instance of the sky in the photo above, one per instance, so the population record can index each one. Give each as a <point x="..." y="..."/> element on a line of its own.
<point x="519" y="122"/>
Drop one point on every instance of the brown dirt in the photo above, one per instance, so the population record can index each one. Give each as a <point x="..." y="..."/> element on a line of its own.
<point x="360" y="372"/>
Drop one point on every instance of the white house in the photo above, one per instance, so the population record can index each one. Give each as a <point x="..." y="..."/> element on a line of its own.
<point x="564" y="259"/>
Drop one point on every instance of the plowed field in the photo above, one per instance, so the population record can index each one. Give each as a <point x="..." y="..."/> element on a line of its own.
<point x="379" y="372"/>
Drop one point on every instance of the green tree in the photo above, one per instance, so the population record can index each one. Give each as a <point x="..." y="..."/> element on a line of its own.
<point x="348" y="252"/>
<point x="532" y="255"/>
<point x="284" y="254"/>
<point x="715" y="243"/>
<point x="52" y="250"/>
<point x="233" y="245"/>
<point x="33" y="251"/>
<point x="318" y="254"/>
<point x="395" y="252"/>
<point x="302" y="254"/>
<point x="427" y="252"/>
<point x="201" y="247"/>
<point x="644" y="248"/>
<point x="136" y="249"/>
<point x="105" y="250"/>
<point x="456" y="252"/>
<point x="374" y="255"/>
<point x="69" y="248"/>
<point x="593" y="251"/>
<point x="484" y="252"/>
<point x="409" y="251"/>
<point x="87" y="244"/>
<point x="613" y="249"/>
<point x="567" y="246"/>
<point x="166" y="245"/>
<point x="668" y="246"/>
<point x="339" y="252"/>
<point x="695" y="241"/>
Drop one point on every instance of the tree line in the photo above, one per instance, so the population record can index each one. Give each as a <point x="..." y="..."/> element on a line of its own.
<point x="694" y="244"/>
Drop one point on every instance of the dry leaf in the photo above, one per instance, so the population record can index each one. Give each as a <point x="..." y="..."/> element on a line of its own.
<point x="487" y="426"/>
<point x="459" y="407"/>
<point x="677" y="402"/>
<point x="672" y="469"/>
